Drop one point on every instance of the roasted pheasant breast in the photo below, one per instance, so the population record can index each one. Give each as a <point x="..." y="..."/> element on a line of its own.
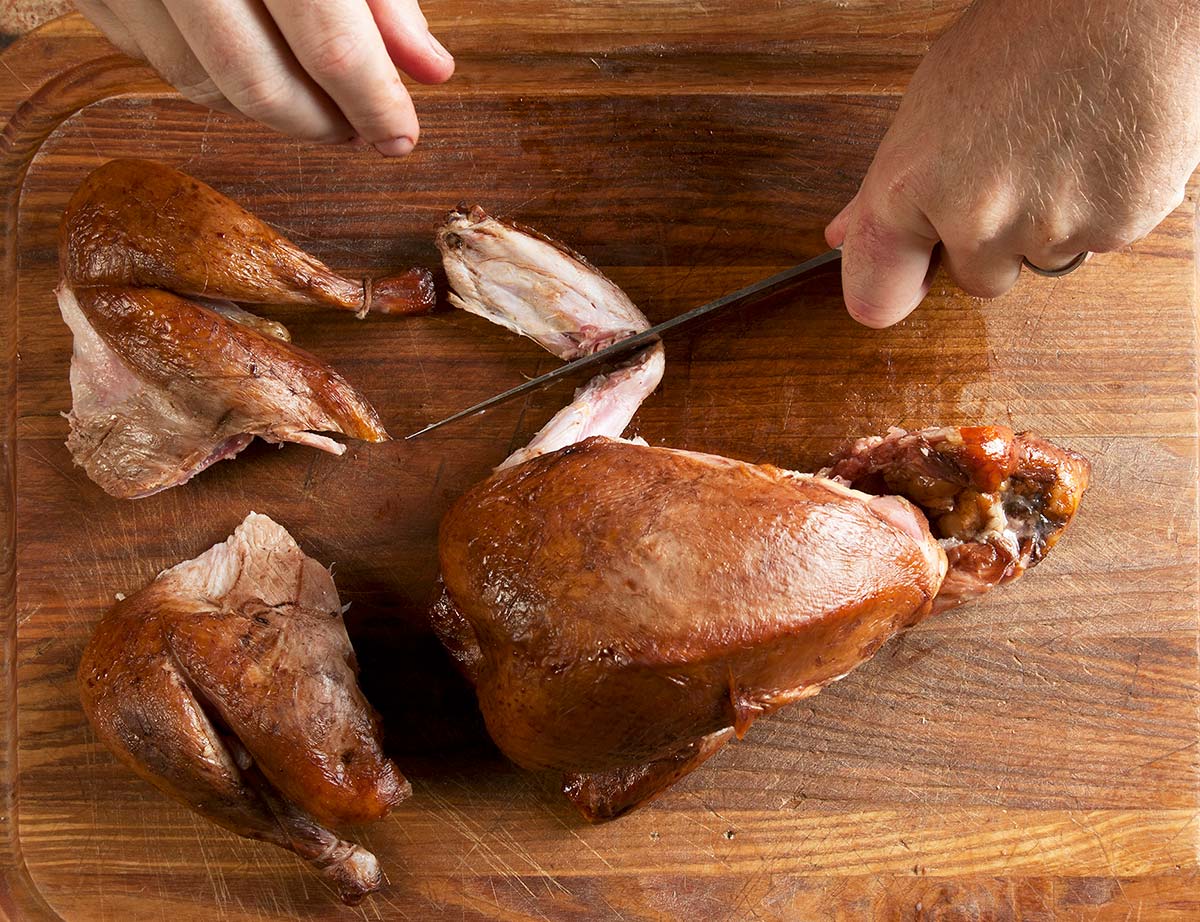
<point x="168" y="373"/>
<point x="229" y="684"/>
<point x="624" y="610"/>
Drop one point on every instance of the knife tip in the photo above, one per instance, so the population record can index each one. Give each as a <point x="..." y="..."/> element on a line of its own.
<point x="413" y="435"/>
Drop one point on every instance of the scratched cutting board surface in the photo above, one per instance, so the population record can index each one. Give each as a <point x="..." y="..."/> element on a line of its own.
<point x="1031" y="756"/>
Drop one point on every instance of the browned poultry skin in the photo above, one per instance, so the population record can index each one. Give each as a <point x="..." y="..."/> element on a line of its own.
<point x="235" y="382"/>
<point x="654" y="596"/>
<point x="164" y="338"/>
<point x="623" y="608"/>
<point x="603" y="796"/>
<point x="142" y="224"/>
<point x="164" y="386"/>
<point x="229" y="683"/>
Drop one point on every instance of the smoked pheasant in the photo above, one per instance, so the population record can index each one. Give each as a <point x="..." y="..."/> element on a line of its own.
<point x="229" y="684"/>
<point x="168" y="374"/>
<point x="625" y="610"/>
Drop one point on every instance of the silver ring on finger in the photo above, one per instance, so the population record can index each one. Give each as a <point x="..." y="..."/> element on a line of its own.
<point x="1057" y="273"/>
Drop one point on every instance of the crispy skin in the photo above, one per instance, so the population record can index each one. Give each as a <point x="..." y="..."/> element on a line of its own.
<point x="193" y="352"/>
<point x="603" y="796"/>
<point x="624" y="609"/>
<point x="141" y="224"/>
<point x="229" y="684"/>
<point x="168" y="375"/>
<point x="163" y="387"/>
<point x="629" y="599"/>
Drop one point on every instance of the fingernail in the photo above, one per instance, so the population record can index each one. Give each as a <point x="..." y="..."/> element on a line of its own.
<point x="438" y="48"/>
<point x="396" y="147"/>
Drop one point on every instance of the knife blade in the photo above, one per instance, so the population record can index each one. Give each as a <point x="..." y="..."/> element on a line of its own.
<point x="630" y="344"/>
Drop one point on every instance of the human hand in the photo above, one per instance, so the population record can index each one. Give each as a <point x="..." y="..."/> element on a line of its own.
<point x="322" y="70"/>
<point x="1034" y="128"/>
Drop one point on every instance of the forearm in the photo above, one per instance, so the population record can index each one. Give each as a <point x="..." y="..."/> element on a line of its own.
<point x="1106" y="103"/>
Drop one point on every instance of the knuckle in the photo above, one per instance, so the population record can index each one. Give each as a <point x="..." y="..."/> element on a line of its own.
<point x="978" y="221"/>
<point x="200" y="90"/>
<point x="902" y="187"/>
<point x="261" y="96"/>
<point x="1106" y="239"/>
<point x="335" y="55"/>
<point x="1165" y="201"/>
<point x="1134" y="218"/>
<point x="1050" y="228"/>
<point x="872" y="233"/>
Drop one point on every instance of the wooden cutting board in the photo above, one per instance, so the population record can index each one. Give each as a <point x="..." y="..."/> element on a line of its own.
<point x="1033" y="756"/>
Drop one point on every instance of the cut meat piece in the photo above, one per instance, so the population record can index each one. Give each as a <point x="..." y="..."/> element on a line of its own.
<point x="229" y="683"/>
<point x="140" y="224"/>
<point x="998" y="501"/>
<point x="533" y="285"/>
<point x="625" y="610"/>
<point x="604" y="406"/>
<point x="163" y="387"/>
<point x="538" y="287"/>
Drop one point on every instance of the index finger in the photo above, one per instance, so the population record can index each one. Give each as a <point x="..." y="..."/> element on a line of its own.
<point x="887" y="261"/>
<point x="339" y="45"/>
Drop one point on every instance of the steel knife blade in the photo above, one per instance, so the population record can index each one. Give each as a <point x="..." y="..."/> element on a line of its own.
<point x="630" y="344"/>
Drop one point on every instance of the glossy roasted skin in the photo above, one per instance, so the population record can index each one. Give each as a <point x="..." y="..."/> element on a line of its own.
<point x="624" y="611"/>
<point x="603" y="796"/>
<point x="654" y="596"/>
<point x="141" y="224"/>
<point x="164" y="385"/>
<point x="229" y="683"/>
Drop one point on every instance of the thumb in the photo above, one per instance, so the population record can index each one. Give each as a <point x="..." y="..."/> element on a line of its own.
<point x="887" y="258"/>
<point x="835" y="232"/>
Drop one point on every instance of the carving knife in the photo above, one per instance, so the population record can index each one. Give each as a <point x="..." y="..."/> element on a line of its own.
<point x="630" y="344"/>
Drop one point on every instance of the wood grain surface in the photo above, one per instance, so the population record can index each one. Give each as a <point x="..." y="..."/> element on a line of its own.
<point x="1030" y="757"/>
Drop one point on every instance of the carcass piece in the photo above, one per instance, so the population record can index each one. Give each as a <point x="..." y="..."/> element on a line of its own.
<point x="998" y="502"/>
<point x="624" y="610"/>
<point x="229" y="684"/>
<point x="533" y="285"/>
<point x="628" y="600"/>
<point x="164" y="385"/>
<point x="141" y="224"/>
